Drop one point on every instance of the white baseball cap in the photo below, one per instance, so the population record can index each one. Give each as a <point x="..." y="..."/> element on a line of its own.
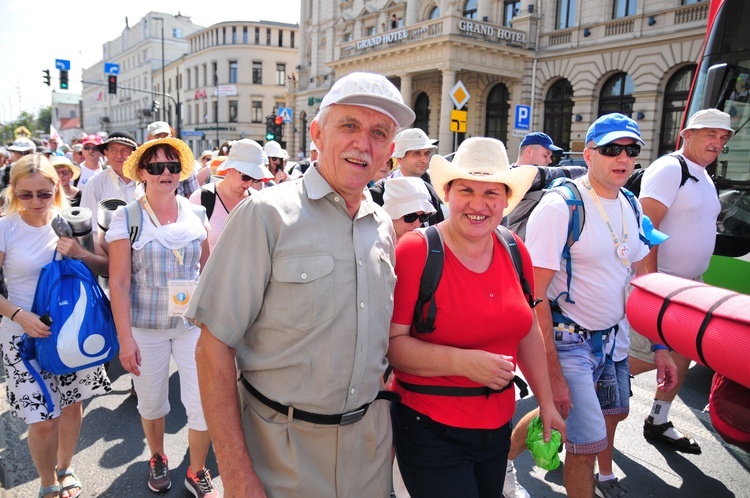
<point x="246" y="156"/>
<point x="373" y="91"/>
<point x="22" y="144"/>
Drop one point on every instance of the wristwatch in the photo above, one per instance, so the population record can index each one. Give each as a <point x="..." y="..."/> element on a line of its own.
<point x="656" y="347"/>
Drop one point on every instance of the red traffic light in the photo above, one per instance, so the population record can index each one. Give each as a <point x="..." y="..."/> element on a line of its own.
<point x="278" y="120"/>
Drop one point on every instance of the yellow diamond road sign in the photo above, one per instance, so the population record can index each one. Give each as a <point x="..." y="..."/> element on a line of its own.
<point x="459" y="94"/>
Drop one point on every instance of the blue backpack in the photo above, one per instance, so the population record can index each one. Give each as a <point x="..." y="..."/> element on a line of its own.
<point x="69" y="300"/>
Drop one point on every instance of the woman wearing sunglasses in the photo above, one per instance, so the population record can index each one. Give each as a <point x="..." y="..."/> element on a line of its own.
<point x="243" y="172"/>
<point x="407" y="202"/>
<point x="151" y="280"/>
<point x="68" y="173"/>
<point x="27" y="243"/>
<point x="451" y="429"/>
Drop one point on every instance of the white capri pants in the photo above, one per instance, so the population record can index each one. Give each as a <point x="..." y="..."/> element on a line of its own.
<point x="152" y="386"/>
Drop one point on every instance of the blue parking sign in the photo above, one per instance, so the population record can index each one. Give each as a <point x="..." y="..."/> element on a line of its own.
<point x="523" y="117"/>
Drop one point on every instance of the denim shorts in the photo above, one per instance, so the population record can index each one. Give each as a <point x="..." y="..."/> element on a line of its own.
<point x="586" y="430"/>
<point x="613" y="388"/>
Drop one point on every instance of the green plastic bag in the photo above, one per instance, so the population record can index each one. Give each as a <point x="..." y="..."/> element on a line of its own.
<point x="545" y="454"/>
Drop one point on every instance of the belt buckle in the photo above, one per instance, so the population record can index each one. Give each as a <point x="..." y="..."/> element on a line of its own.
<point x="353" y="416"/>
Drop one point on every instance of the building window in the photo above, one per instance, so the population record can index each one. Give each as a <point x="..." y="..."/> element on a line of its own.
<point x="244" y="35"/>
<point x="268" y="37"/>
<point x="281" y="38"/>
<point x="215" y="105"/>
<point x="434" y="13"/>
<point x="369" y="30"/>
<point x="256" y="111"/>
<point x="232" y="71"/>
<point x="281" y="74"/>
<point x="234" y="35"/>
<point x="624" y="8"/>
<point x="257" y="35"/>
<point x="177" y="33"/>
<point x="257" y="73"/>
<point x="675" y="100"/>
<point x="291" y="43"/>
<point x="223" y="36"/>
<point x="233" y="113"/>
<point x="215" y="72"/>
<point x="422" y="112"/>
<point x="558" y="112"/>
<point x="566" y="14"/>
<point x="511" y="8"/>
<point x="347" y="37"/>
<point x="496" y="114"/>
<point x="690" y="2"/>
<point x="470" y="9"/>
<point x="617" y="95"/>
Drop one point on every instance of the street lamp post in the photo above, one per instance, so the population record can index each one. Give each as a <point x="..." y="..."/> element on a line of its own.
<point x="163" y="76"/>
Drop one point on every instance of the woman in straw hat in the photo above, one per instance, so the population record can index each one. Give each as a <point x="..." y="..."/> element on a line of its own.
<point x="68" y="173"/>
<point x="151" y="281"/>
<point x="449" y="444"/>
<point x="27" y="243"/>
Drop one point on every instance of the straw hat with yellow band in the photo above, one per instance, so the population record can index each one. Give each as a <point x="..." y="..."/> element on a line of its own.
<point x="62" y="161"/>
<point x="483" y="160"/>
<point x="130" y="168"/>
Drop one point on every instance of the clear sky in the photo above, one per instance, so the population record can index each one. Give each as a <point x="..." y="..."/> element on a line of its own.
<point x="33" y="33"/>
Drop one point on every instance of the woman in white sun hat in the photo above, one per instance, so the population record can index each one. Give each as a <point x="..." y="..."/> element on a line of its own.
<point x="407" y="202"/>
<point x="454" y="439"/>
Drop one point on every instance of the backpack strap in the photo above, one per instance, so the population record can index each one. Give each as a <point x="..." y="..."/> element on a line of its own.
<point x="208" y="198"/>
<point x="508" y="241"/>
<point x="27" y="352"/>
<point x="684" y="169"/>
<point x="134" y="219"/>
<point x="433" y="270"/>
<point x="568" y="189"/>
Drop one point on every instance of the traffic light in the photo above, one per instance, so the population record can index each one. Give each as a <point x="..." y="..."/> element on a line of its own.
<point x="270" y="128"/>
<point x="63" y="79"/>
<point x="46" y="77"/>
<point x="278" y="130"/>
<point x="112" y="79"/>
<point x="155" y="106"/>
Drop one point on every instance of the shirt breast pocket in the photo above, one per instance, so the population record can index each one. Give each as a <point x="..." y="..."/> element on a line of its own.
<point x="302" y="292"/>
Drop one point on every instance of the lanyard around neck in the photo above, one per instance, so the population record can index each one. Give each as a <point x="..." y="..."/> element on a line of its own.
<point x="153" y="217"/>
<point x="622" y="249"/>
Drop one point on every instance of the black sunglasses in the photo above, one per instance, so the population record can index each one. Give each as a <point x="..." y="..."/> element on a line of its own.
<point x="614" y="150"/>
<point x="157" y="168"/>
<point x="27" y="196"/>
<point x="412" y="217"/>
<point x="90" y="147"/>
<point x="247" y="178"/>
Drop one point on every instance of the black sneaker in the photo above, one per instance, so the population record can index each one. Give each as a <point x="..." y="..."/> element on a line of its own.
<point x="610" y="489"/>
<point x="159" y="479"/>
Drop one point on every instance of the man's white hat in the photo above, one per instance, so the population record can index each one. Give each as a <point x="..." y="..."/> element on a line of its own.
<point x="159" y="127"/>
<point x="412" y="139"/>
<point x="373" y="91"/>
<point x="709" y="118"/>
<point x="22" y="144"/>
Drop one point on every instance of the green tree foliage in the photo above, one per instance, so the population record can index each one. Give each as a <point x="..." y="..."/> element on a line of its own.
<point x="28" y="120"/>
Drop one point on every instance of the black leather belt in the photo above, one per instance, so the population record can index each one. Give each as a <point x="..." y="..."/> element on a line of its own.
<point x="464" y="391"/>
<point x="317" y="418"/>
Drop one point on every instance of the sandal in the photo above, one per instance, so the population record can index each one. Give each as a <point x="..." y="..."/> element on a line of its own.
<point x="685" y="444"/>
<point x="49" y="490"/>
<point x="69" y="472"/>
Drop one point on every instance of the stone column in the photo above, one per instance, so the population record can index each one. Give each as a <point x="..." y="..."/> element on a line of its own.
<point x="445" y="146"/>
<point x="412" y="13"/>
<point x="406" y="91"/>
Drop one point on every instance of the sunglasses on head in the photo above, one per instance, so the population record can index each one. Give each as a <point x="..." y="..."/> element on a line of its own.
<point x="157" y="168"/>
<point x="42" y="196"/>
<point x="614" y="150"/>
<point x="412" y="217"/>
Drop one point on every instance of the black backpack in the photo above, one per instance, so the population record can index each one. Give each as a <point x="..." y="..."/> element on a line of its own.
<point x="636" y="177"/>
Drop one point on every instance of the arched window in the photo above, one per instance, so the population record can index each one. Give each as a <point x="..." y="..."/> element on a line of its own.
<point x="470" y="9"/>
<point x="617" y="95"/>
<point x="496" y="114"/>
<point x="558" y="112"/>
<point x="675" y="99"/>
<point x="434" y="13"/>
<point x="422" y="112"/>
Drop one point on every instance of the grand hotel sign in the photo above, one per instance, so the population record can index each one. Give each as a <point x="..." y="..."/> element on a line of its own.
<point x="465" y="27"/>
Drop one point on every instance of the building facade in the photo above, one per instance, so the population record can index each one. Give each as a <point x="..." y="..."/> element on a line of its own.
<point x="525" y="65"/>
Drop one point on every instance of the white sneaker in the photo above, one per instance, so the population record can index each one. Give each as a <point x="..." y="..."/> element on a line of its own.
<point x="511" y="488"/>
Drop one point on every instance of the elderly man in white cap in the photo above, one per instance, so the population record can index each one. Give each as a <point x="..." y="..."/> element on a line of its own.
<point x="677" y="193"/>
<point x="309" y="268"/>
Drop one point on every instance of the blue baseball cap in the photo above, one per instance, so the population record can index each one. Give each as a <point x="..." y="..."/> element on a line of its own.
<point x="539" y="138"/>
<point x="610" y="127"/>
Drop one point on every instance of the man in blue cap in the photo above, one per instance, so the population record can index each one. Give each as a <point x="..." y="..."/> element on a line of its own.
<point x="586" y="301"/>
<point x="537" y="149"/>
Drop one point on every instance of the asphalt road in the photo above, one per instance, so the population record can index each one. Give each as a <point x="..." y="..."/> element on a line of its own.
<point x="112" y="453"/>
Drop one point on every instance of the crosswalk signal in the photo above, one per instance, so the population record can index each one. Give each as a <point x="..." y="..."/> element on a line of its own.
<point x="278" y="129"/>
<point x="46" y="77"/>
<point x="270" y="128"/>
<point x="63" y="79"/>
<point x="112" y="80"/>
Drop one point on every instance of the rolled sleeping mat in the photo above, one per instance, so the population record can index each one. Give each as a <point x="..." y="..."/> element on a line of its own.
<point x="729" y="405"/>
<point x="107" y="209"/>
<point x="707" y="324"/>
<point x="79" y="219"/>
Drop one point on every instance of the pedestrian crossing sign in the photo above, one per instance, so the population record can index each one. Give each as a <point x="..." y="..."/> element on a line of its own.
<point x="286" y="114"/>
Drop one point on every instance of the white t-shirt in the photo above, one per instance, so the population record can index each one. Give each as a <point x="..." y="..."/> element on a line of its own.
<point x="599" y="277"/>
<point x="691" y="215"/>
<point x="86" y="174"/>
<point x="27" y="249"/>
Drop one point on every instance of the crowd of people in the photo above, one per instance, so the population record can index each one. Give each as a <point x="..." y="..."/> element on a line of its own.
<point x="319" y="369"/>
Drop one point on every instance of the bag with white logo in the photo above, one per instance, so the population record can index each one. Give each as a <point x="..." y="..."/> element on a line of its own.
<point x="69" y="299"/>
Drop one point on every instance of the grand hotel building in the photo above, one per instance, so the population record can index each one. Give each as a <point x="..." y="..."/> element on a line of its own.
<point x="564" y="61"/>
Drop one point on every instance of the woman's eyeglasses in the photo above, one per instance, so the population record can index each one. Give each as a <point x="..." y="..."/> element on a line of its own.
<point x="42" y="196"/>
<point x="157" y="168"/>
<point x="614" y="150"/>
<point x="412" y="217"/>
<point x="247" y="178"/>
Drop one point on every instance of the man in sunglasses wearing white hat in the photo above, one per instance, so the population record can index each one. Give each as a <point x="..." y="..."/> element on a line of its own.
<point x="685" y="207"/>
<point x="308" y="267"/>
<point x="580" y="319"/>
